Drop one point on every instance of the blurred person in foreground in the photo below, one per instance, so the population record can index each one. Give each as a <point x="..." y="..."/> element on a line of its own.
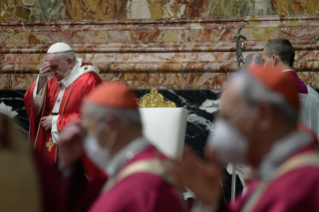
<point x="278" y="47"/>
<point x="258" y="127"/>
<point x="244" y="172"/>
<point x="136" y="170"/>
<point x="27" y="184"/>
<point x="280" y="53"/>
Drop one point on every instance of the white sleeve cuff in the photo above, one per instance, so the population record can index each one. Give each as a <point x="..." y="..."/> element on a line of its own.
<point x="54" y="129"/>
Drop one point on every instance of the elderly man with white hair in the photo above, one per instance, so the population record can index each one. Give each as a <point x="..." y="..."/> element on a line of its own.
<point x="258" y="126"/>
<point x="55" y="97"/>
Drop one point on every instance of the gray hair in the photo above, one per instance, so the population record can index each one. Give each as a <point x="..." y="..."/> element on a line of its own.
<point x="254" y="58"/>
<point x="125" y="116"/>
<point x="64" y="55"/>
<point x="254" y="92"/>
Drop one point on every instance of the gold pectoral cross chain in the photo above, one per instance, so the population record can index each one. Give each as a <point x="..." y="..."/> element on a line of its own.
<point x="50" y="144"/>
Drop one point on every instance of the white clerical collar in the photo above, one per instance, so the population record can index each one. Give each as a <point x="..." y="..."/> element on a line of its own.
<point x="124" y="155"/>
<point x="68" y="80"/>
<point x="282" y="150"/>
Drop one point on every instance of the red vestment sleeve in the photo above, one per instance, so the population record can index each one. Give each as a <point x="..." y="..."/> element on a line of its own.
<point x="29" y="106"/>
<point x="63" y="120"/>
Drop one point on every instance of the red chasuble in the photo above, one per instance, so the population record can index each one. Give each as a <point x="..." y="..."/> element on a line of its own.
<point x="140" y="191"/>
<point x="69" y="109"/>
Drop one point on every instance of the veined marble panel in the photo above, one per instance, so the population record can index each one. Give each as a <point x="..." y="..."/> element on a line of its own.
<point x="174" y="53"/>
<point x="147" y="9"/>
<point x="153" y="80"/>
<point x="137" y="81"/>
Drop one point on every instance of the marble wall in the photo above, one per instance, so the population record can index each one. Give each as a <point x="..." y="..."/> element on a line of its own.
<point x="173" y="44"/>
<point x="146" y="9"/>
<point x="184" y="53"/>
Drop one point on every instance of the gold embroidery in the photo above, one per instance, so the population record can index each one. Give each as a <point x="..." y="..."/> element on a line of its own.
<point x="50" y="144"/>
<point x="154" y="99"/>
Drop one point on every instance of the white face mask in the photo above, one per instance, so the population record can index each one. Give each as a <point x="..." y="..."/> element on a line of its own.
<point x="99" y="155"/>
<point x="228" y="142"/>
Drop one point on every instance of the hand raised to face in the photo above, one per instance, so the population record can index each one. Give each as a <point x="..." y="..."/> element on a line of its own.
<point x="45" y="70"/>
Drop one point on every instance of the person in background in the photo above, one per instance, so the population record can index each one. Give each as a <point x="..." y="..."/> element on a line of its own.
<point x="280" y="53"/>
<point x="55" y="97"/>
<point x="254" y="59"/>
<point x="137" y="172"/>
<point x="257" y="127"/>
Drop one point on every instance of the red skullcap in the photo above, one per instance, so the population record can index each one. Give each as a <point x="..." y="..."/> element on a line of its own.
<point x="114" y="94"/>
<point x="277" y="81"/>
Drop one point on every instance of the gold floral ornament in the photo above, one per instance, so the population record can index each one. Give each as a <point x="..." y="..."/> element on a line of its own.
<point x="154" y="99"/>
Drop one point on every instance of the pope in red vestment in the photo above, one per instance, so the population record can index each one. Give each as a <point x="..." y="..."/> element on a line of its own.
<point x="137" y="173"/>
<point x="51" y="107"/>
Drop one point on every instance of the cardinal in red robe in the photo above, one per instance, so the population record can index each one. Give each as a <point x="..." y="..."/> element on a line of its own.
<point x="136" y="173"/>
<point x="258" y="127"/>
<point x="55" y="97"/>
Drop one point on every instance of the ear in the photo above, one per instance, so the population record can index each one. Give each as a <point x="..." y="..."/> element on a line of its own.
<point x="275" y="59"/>
<point x="267" y="116"/>
<point x="70" y="62"/>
